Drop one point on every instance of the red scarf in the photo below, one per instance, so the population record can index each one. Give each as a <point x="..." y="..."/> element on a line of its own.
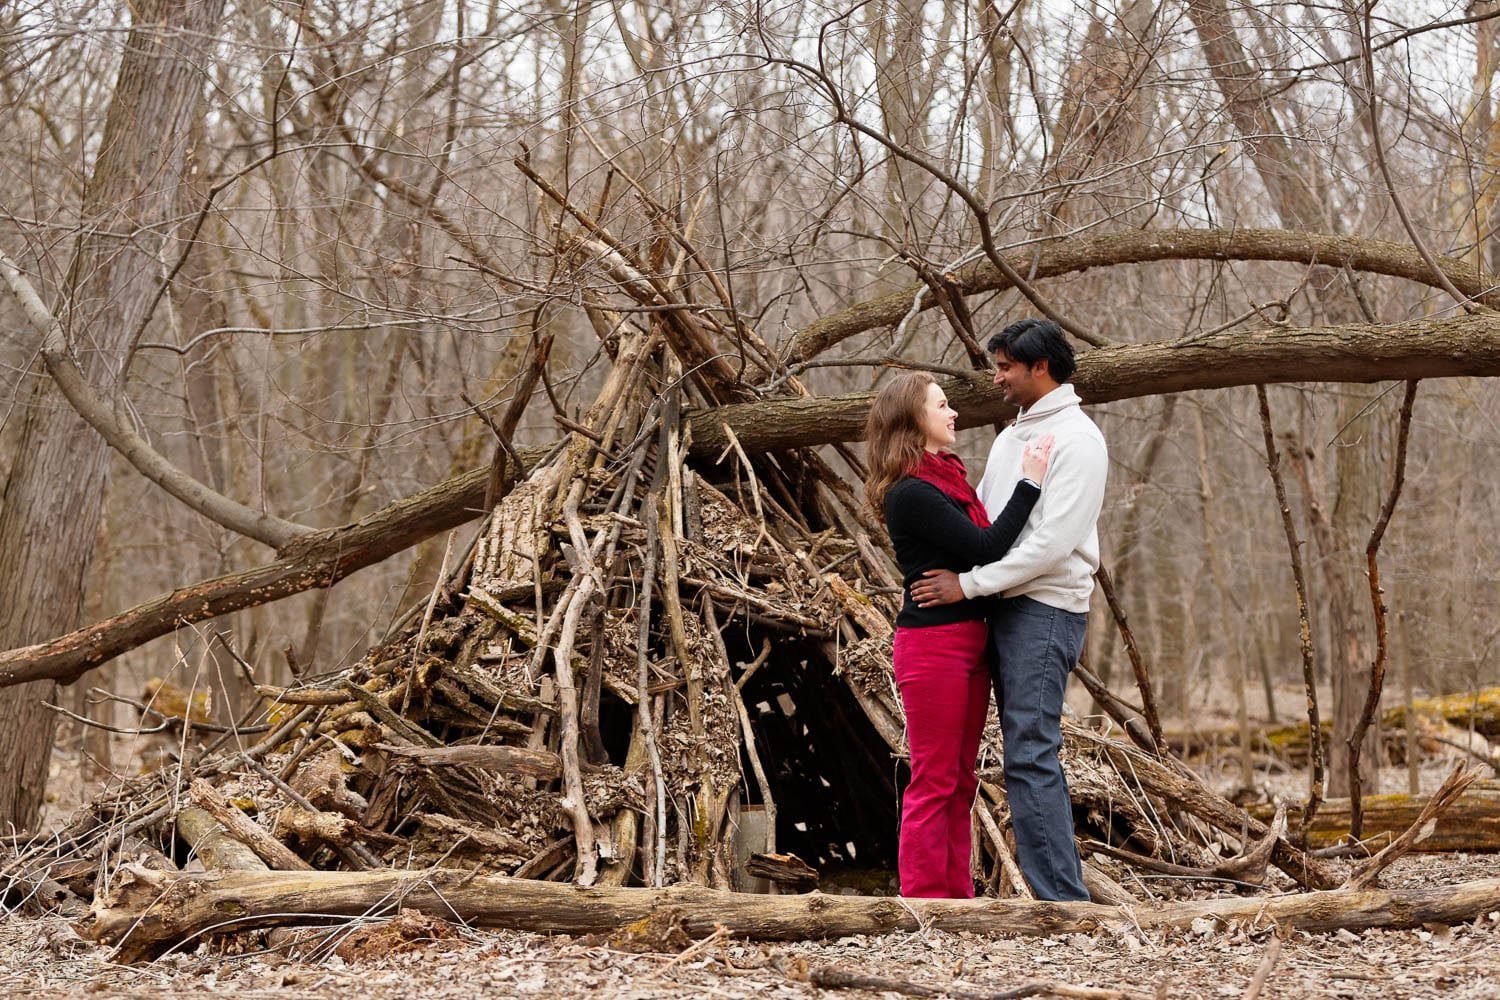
<point x="946" y="471"/>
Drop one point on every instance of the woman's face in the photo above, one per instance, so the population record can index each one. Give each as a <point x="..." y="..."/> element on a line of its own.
<point x="937" y="420"/>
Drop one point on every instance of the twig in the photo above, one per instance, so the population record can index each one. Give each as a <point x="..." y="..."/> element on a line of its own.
<point x="1137" y="662"/>
<point x="495" y="486"/>
<point x="1372" y="106"/>
<point x="768" y="800"/>
<point x="844" y="116"/>
<point x="1382" y="631"/>
<point x="573" y="800"/>
<point x="667" y="459"/>
<point x="1003" y="856"/>
<point x="1115" y="707"/>
<point x="1448" y="792"/>
<point x="829" y="977"/>
<point x="169" y="722"/>
<point x="432" y="600"/>
<point x="246" y="670"/>
<point x="1263" y="971"/>
<point x="754" y="665"/>
<point x="643" y="680"/>
<point x="1294" y="548"/>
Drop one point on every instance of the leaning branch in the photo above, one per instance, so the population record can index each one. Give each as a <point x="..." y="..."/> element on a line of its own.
<point x="311" y="562"/>
<point x="1067" y="256"/>
<point x="1467" y="345"/>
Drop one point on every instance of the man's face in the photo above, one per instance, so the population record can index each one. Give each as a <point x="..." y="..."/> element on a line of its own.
<point x="1020" y="384"/>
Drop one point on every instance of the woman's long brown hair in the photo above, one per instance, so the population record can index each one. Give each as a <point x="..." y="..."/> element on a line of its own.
<point x="893" y="435"/>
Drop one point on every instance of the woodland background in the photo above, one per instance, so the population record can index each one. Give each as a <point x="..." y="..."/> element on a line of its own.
<point x="283" y="252"/>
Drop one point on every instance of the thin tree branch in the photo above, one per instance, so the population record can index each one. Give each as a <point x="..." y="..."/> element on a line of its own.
<point x="1377" y="673"/>
<point x="231" y="514"/>
<point x="1137" y="662"/>
<point x="1304" y="625"/>
<point x="1372" y="106"/>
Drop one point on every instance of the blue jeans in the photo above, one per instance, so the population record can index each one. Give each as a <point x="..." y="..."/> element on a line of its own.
<point x="1036" y="646"/>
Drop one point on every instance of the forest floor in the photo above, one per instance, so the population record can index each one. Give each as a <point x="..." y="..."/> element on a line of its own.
<point x="44" y="959"/>
<point x="413" y="958"/>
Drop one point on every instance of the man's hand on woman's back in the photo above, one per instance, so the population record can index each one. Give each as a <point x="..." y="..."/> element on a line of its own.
<point x="938" y="586"/>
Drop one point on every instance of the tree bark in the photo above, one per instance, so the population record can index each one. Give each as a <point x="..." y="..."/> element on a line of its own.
<point x="56" y="486"/>
<point x="214" y="844"/>
<point x="147" y="911"/>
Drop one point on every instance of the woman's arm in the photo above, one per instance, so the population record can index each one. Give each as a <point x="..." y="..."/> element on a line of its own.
<point x="921" y="509"/>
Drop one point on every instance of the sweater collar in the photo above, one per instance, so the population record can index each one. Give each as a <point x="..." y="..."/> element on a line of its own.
<point x="1060" y="398"/>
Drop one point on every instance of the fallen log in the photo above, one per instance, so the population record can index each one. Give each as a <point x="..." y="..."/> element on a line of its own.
<point x="145" y="912"/>
<point x="1444" y="719"/>
<point x="1470" y="823"/>
<point x="215" y="846"/>
<point x="1442" y="348"/>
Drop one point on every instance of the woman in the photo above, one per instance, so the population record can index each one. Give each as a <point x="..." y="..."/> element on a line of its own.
<point x="936" y="521"/>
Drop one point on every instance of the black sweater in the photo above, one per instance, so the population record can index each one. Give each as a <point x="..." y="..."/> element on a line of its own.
<point x="930" y="530"/>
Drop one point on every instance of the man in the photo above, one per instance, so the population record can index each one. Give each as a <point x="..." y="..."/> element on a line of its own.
<point x="1044" y="582"/>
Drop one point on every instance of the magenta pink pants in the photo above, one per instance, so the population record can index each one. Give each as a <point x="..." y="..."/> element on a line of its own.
<point x="944" y="679"/>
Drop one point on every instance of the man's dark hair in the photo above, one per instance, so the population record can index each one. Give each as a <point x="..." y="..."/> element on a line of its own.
<point x="1031" y="340"/>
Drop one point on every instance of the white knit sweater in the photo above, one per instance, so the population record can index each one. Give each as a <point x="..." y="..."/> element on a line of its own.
<point x="1058" y="551"/>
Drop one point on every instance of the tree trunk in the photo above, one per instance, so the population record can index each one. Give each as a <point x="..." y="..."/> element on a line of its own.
<point x="56" y="486"/>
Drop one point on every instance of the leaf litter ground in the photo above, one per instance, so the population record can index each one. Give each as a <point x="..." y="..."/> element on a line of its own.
<point x="415" y="958"/>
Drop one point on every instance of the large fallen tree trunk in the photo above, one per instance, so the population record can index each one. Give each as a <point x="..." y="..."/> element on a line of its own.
<point x="1466" y="345"/>
<point x="1470" y="823"/>
<point x="147" y="912"/>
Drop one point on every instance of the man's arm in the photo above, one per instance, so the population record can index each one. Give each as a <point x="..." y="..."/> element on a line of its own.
<point x="939" y="586"/>
<point x="1072" y="497"/>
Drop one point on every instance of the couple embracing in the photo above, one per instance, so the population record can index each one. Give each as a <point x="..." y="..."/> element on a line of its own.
<point x="997" y="591"/>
